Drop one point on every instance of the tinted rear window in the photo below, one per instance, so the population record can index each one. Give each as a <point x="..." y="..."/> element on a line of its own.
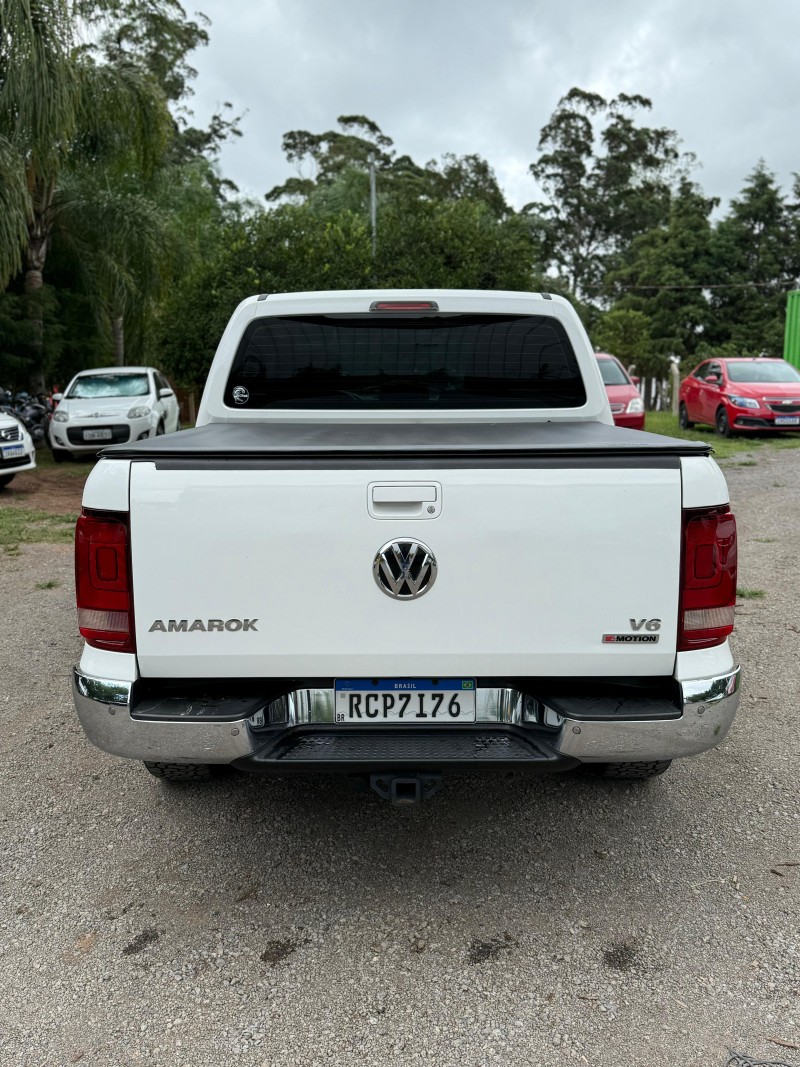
<point x="444" y="361"/>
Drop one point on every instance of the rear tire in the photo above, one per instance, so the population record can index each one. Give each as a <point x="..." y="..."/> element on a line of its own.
<point x="683" y="418"/>
<point x="5" y="479"/>
<point x="722" y="424"/>
<point x="179" y="772"/>
<point x="636" y="771"/>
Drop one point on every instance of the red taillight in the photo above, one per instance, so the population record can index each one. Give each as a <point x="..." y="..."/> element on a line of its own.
<point x="708" y="578"/>
<point x="103" y="580"/>
<point x="404" y="305"/>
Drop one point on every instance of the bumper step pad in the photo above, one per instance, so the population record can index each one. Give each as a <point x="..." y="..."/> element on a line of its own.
<point x="344" y="750"/>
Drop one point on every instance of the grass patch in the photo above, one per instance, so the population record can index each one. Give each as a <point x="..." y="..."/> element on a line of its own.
<point x="25" y="526"/>
<point x="750" y="594"/>
<point x="51" y="584"/>
<point x="72" y="468"/>
<point x="666" y="423"/>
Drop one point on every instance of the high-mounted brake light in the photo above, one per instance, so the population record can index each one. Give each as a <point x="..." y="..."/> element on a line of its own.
<point x="708" y="578"/>
<point x="404" y="305"/>
<point x="103" y="580"/>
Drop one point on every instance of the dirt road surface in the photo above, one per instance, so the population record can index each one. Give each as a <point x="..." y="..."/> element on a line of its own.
<point x="263" y="922"/>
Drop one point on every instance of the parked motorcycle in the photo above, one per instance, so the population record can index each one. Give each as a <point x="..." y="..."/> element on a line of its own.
<point x="34" y="414"/>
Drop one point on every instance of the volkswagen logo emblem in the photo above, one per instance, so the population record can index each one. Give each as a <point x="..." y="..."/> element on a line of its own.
<point x="404" y="569"/>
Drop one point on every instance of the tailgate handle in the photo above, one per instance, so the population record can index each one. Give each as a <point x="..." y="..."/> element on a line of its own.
<point x="403" y="494"/>
<point x="404" y="500"/>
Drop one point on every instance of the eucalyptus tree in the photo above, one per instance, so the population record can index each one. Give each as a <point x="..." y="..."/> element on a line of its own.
<point x="59" y="108"/>
<point x="604" y="186"/>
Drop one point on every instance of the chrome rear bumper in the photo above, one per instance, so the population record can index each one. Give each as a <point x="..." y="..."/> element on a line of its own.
<point x="589" y="731"/>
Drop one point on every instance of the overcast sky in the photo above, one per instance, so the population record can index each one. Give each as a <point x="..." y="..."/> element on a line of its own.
<point x="478" y="76"/>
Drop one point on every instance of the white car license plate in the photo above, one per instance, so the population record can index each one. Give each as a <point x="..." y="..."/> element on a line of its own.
<point x="97" y="435"/>
<point x="416" y="701"/>
<point x="13" y="451"/>
<point x="787" y="420"/>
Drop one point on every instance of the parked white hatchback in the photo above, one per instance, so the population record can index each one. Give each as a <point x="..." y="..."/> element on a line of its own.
<point x="17" y="451"/>
<point x="112" y="405"/>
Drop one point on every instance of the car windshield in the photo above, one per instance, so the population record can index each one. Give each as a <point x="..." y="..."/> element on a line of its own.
<point x="102" y="386"/>
<point x="612" y="372"/>
<point x="762" y="372"/>
<point x="434" y="361"/>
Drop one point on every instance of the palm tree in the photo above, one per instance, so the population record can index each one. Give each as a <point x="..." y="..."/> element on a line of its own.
<point x="59" y="109"/>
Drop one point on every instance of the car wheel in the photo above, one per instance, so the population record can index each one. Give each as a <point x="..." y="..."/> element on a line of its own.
<point x="160" y="428"/>
<point x="5" y="479"/>
<point x="636" y="771"/>
<point x="683" y="417"/>
<point x="60" y="455"/>
<point x="722" y="424"/>
<point x="179" y="772"/>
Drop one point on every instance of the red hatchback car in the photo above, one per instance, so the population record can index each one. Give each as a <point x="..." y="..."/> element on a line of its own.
<point x="627" y="405"/>
<point x="741" y="395"/>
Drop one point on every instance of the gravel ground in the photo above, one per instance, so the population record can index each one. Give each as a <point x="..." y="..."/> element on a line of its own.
<point x="518" y="921"/>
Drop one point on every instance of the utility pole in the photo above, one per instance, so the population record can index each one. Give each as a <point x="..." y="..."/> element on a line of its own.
<point x="373" y="205"/>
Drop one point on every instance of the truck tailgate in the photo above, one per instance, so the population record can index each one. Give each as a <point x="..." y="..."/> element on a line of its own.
<point x="535" y="566"/>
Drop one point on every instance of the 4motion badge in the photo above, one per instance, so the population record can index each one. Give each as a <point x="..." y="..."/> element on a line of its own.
<point x="637" y="637"/>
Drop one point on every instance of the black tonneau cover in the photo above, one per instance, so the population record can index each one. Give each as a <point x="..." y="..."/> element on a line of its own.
<point x="440" y="443"/>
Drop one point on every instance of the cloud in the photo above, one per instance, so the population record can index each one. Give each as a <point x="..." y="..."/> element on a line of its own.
<point x="485" y="77"/>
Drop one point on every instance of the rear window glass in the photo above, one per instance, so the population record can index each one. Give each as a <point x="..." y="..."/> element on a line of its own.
<point x="612" y="373"/>
<point x="762" y="372"/>
<point x="441" y="361"/>
<point x="97" y="386"/>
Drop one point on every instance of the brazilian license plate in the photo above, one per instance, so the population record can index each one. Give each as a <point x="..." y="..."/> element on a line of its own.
<point x="787" y="420"/>
<point x="416" y="701"/>
<point x="97" y="435"/>
<point x="13" y="451"/>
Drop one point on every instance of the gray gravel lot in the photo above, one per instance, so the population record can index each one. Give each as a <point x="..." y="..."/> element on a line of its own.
<point x="518" y="921"/>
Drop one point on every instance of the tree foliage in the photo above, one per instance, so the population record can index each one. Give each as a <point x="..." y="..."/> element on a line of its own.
<point x="627" y="335"/>
<point x="663" y="274"/>
<point x="91" y="164"/>
<point x="604" y="187"/>
<point x="297" y="248"/>
<point x="755" y="253"/>
<point x="121" y="238"/>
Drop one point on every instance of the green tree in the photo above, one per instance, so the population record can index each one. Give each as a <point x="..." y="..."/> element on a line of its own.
<point x="289" y="249"/>
<point x="296" y="248"/>
<point x="333" y="171"/>
<point x="665" y="273"/>
<point x="603" y="188"/>
<point x="156" y="37"/>
<point x="322" y="159"/>
<point x="458" y="244"/>
<point x="57" y="105"/>
<point x="626" y="335"/>
<point x="756" y="259"/>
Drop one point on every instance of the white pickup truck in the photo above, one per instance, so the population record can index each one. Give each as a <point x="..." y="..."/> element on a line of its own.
<point x="405" y="538"/>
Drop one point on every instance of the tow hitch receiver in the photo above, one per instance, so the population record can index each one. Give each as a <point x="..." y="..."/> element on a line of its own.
<point x="404" y="790"/>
